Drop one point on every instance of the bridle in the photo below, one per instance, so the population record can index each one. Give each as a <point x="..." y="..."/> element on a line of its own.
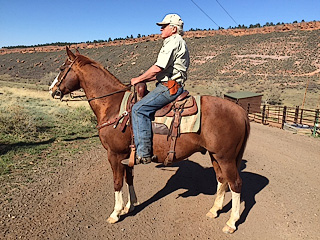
<point x="64" y="76"/>
<point x="58" y="91"/>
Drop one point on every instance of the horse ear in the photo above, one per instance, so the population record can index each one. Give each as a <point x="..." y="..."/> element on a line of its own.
<point x="77" y="52"/>
<point x="70" y="54"/>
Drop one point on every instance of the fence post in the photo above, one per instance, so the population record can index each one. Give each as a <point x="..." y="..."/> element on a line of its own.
<point x="263" y="113"/>
<point x="284" y="114"/>
<point x="301" y="116"/>
<point x="296" y="115"/>
<point x="316" y="120"/>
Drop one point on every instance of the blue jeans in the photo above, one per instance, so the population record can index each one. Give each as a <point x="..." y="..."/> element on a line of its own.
<point x="143" y="113"/>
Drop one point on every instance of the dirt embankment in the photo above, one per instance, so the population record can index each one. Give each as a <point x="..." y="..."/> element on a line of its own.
<point x="303" y="26"/>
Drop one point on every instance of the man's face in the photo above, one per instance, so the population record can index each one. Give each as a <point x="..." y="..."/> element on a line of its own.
<point x="167" y="31"/>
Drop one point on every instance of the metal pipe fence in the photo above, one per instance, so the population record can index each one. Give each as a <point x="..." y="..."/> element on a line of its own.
<point x="284" y="117"/>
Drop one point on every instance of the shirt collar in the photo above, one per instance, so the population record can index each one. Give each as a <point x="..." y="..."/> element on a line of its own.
<point x="170" y="38"/>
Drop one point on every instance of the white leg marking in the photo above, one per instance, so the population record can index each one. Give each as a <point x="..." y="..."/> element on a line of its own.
<point x="132" y="200"/>
<point x="218" y="203"/>
<point x="235" y="213"/>
<point x="118" y="206"/>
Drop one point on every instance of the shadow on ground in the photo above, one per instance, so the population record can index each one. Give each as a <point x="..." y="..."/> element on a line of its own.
<point x="196" y="180"/>
<point x="6" y="147"/>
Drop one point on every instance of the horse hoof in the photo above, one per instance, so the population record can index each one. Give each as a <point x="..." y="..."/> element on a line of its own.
<point x="127" y="210"/>
<point x="111" y="220"/>
<point x="228" y="229"/>
<point x="211" y="215"/>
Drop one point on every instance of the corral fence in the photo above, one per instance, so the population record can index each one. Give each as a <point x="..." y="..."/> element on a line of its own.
<point x="294" y="119"/>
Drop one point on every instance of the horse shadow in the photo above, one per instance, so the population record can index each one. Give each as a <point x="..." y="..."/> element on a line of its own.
<point x="6" y="147"/>
<point x="196" y="180"/>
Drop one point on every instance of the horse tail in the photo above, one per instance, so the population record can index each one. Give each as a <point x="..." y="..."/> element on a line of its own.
<point x="244" y="143"/>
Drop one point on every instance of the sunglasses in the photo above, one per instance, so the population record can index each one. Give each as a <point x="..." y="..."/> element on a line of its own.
<point x="164" y="26"/>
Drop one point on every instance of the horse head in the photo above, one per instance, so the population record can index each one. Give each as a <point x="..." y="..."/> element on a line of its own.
<point x="67" y="80"/>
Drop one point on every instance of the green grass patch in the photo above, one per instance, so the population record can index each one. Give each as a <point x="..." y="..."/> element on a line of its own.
<point x="33" y="130"/>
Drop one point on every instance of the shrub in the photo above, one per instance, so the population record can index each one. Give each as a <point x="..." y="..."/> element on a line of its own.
<point x="18" y="122"/>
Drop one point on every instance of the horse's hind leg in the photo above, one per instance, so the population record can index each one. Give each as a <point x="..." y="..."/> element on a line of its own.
<point x="235" y="213"/>
<point x="235" y="184"/>
<point x="221" y="190"/>
<point x="227" y="173"/>
<point x="218" y="202"/>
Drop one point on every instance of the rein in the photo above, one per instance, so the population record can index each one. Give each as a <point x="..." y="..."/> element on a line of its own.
<point x="110" y="94"/>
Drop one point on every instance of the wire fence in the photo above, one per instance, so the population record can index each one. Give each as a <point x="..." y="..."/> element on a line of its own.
<point x="294" y="119"/>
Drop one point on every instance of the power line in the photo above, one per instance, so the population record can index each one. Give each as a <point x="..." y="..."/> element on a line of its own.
<point x="227" y="12"/>
<point x="205" y="13"/>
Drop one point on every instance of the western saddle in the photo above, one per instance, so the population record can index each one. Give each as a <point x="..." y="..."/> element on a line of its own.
<point x="183" y="105"/>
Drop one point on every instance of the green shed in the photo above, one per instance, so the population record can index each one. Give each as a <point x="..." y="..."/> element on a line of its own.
<point x="250" y="101"/>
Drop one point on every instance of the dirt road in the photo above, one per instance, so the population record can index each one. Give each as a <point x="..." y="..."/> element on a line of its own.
<point x="281" y="196"/>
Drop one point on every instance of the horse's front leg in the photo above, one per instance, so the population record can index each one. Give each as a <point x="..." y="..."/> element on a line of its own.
<point x="118" y="174"/>
<point x="118" y="206"/>
<point x="132" y="197"/>
<point x="132" y="200"/>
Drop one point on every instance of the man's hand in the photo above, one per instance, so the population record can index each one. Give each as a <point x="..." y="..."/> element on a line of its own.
<point x="134" y="81"/>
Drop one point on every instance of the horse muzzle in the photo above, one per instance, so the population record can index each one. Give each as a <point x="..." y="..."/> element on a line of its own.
<point x="57" y="94"/>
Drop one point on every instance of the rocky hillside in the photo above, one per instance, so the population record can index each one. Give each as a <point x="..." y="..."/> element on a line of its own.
<point x="276" y="61"/>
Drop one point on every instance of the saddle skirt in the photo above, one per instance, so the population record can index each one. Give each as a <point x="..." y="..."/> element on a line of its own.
<point x="190" y="120"/>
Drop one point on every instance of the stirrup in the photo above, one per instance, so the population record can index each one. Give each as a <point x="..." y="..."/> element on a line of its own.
<point x="141" y="160"/>
<point x="146" y="160"/>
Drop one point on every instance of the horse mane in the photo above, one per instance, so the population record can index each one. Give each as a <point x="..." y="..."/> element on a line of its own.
<point x="83" y="60"/>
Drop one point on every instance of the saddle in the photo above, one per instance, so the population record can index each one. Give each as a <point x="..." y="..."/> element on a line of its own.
<point x="184" y="102"/>
<point x="183" y="105"/>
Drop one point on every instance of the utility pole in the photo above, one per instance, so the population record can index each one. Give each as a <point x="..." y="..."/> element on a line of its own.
<point x="305" y="93"/>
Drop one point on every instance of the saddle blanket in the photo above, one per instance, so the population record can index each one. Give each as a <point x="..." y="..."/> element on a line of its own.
<point x="188" y="123"/>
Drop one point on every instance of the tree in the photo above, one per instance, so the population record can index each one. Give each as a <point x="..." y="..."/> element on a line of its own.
<point x="272" y="94"/>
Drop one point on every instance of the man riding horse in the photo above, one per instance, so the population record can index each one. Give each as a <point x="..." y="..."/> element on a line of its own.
<point x="170" y="71"/>
<point x="223" y="130"/>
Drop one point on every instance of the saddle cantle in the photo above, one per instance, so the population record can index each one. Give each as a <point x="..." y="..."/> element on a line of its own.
<point x="184" y="102"/>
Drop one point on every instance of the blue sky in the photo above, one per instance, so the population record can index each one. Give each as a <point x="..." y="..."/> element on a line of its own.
<point x="31" y="22"/>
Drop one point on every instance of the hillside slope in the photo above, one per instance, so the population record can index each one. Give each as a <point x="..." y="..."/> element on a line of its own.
<point x="276" y="61"/>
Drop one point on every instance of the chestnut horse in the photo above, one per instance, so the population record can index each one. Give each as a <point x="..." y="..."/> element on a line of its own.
<point x="223" y="134"/>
